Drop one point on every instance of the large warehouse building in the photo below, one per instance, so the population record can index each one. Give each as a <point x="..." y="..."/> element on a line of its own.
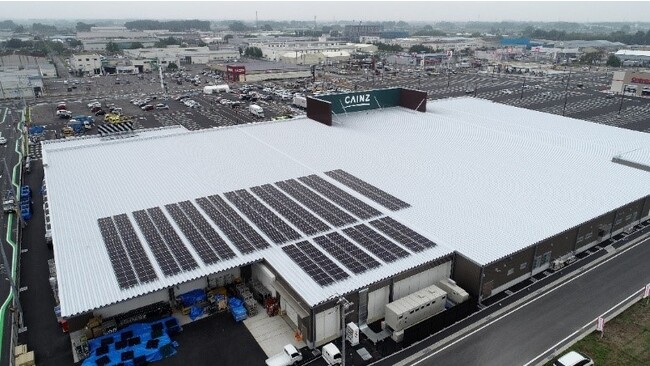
<point x="357" y="200"/>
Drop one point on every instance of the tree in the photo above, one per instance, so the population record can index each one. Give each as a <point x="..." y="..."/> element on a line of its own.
<point x="14" y="43"/>
<point x="267" y="28"/>
<point x="253" y="52"/>
<point x="20" y="29"/>
<point x="335" y="33"/>
<point x="83" y="27"/>
<point x="613" y="61"/>
<point x="135" y="45"/>
<point x="112" y="47"/>
<point x="227" y="37"/>
<point x="419" y="48"/>
<point x="388" y="47"/>
<point x="168" y="42"/>
<point x="172" y="66"/>
<point x="237" y="27"/>
<point x="200" y="43"/>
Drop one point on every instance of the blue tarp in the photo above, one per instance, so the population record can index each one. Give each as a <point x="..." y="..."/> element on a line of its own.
<point x="192" y="297"/>
<point x="142" y="341"/>
<point x="237" y="309"/>
<point x="36" y="130"/>
<point x="195" y="312"/>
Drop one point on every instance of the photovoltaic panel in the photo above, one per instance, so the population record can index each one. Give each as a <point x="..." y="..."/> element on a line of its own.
<point x="368" y="190"/>
<point x="208" y="232"/>
<point x="158" y="247"/>
<point x="265" y="219"/>
<point x="340" y="197"/>
<point x="375" y="243"/>
<point x="308" y="265"/>
<point x="316" y="203"/>
<point x="226" y="227"/>
<point x="351" y="256"/>
<point x="176" y="246"/>
<point x="253" y="237"/>
<point x="202" y="248"/>
<point x="296" y="214"/>
<point x="139" y="260"/>
<point x="122" y="268"/>
<point x="402" y="234"/>
<point x="322" y="261"/>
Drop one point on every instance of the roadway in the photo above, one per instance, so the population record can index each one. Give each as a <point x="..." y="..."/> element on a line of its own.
<point x="530" y="329"/>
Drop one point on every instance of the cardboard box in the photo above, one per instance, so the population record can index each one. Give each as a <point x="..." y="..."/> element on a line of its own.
<point x="26" y="359"/>
<point x="20" y="349"/>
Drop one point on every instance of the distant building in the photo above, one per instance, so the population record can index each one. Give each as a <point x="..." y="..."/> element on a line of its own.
<point x="515" y="42"/>
<point x="393" y="34"/>
<point x="353" y="32"/>
<point x="633" y="57"/>
<point x="181" y="55"/>
<point x="632" y="82"/>
<point x="86" y="64"/>
<point x="99" y="37"/>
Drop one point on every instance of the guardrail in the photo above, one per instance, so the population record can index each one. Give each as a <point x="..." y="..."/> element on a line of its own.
<point x="16" y="181"/>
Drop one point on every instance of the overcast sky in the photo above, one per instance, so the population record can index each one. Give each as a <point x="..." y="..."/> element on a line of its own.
<point x="581" y="11"/>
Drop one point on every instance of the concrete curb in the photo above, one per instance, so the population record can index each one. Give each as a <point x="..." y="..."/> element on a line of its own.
<point x="416" y="356"/>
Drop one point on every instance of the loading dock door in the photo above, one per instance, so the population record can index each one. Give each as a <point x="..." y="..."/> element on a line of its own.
<point x="292" y="314"/>
<point x="377" y="301"/>
<point x="328" y="325"/>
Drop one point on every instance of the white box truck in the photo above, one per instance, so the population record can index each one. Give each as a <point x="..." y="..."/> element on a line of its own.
<point x="300" y="102"/>
<point x="414" y="308"/>
<point x="256" y="110"/>
<point x="212" y="89"/>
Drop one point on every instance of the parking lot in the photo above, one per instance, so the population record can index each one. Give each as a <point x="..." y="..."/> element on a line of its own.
<point x="223" y="340"/>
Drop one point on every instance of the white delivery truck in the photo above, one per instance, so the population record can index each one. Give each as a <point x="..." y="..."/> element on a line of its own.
<point x="223" y="88"/>
<point x="300" y="101"/>
<point x="256" y="110"/>
<point x="331" y="354"/>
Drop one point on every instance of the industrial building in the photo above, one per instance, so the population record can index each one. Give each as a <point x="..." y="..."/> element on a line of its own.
<point x="310" y="52"/>
<point x="86" y="64"/>
<point x="182" y="55"/>
<point x="250" y="70"/>
<point x="22" y="76"/>
<point x="373" y="196"/>
<point x="99" y="37"/>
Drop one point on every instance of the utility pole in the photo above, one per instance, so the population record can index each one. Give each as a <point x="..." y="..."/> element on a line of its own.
<point x="620" y="107"/>
<point x="345" y="305"/>
<point x="566" y="91"/>
<point x="522" y="89"/>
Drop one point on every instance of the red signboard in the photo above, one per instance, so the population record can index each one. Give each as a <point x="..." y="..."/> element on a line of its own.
<point x="640" y="80"/>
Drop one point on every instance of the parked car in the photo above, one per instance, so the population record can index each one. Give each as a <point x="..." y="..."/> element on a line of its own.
<point x="574" y="358"/>
<point x="100" y="112"/>
<point x="3" y="140"/>
<point x="147" y="107"/>
<point x="95" y="109"/>
<point x="162" y="106"/>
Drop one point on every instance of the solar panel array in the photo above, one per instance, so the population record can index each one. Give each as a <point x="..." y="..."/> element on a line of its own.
<point x="316" y="203"/>
<point x="117" y="254"/>
<point x="340" y="197"/>
<point x="176" y="246"/>
<point x="402" y="234"/>
<point x="377" y="244"/>
<point x="273" y="226"/>
<point x="210" y="235"/>
<point x="368" y="190"/>
<point x="296" y="214"/>
<point x="350" y="255"/>
<point x="203" y="249"/>
<point x="320" y="268"/>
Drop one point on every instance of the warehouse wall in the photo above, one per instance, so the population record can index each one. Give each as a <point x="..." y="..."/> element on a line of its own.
<point x="627" y="215"/>
<point x="128" y="305"/>
<point x="467" y="274"/>
<point x="507" y="270"/>
<point x="646" y="208"/>
<point x="558" y="245"/>
<point x="422" y="277"/>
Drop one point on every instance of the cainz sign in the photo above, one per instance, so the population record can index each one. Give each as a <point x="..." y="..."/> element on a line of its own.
<point x="361" y="101"/>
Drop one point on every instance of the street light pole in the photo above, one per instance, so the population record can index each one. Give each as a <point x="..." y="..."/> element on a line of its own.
<point x="620" y="107"/>
<point x="345" y="305"/>
<point x="566" y="90"/>
<point x="522" y="89"/>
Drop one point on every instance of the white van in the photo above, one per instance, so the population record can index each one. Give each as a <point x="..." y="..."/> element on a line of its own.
<point x="331" y="354"/>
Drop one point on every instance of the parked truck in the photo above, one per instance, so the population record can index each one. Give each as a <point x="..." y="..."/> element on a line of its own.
<point x="300" y="102"/>
<point x="256" y="110"/>
<point x="212" y="89"/>
<point x="289" y="356"/>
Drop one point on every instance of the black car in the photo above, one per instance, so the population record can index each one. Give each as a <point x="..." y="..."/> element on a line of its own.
<point x="100" y="112"/>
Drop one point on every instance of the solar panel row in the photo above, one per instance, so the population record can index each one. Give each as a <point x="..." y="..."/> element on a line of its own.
<point x="316" y="203"/>
<point x="174" y="243"/>
<point x="325" y="263"/>
<point x="158" y="247"/>
<point x="117" y="254"/>
<point x="296" y="214"/>
<point x="350" y="255"/>
<point x="368" y="190"/>
<point x="208" y="232"/>
<point x="139" y="260"/>
<point x="226" y="227"/>
<point x="308" y="265"/>
<point x="402" y="234"/>
<point x="340" y="197"/>
<point x="253" y="237"/>
<point x="265" y="219"/>
<point x="203" y="249"/>
<point x="376" y="243"/>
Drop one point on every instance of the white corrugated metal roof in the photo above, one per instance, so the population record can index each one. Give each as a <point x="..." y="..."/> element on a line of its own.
<point x="633" y="53"/>
<point x="482" y="178"/>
